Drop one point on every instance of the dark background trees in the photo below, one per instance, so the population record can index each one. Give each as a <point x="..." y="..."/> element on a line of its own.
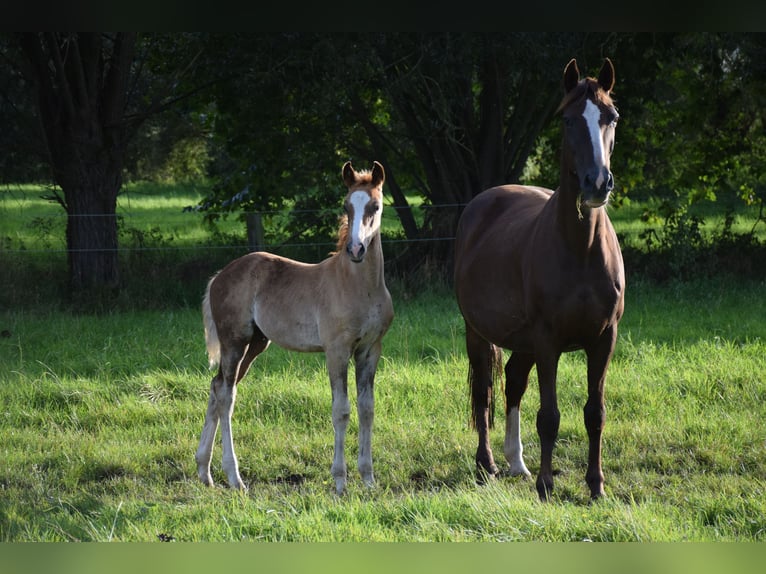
<point x="269" y="118"/>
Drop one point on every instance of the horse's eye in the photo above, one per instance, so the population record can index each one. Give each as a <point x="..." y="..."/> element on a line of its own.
<point x="613" y="120"/>
<point x="568" y="122"/>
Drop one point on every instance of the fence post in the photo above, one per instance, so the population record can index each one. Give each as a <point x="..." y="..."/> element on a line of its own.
<point x="254" y="231"/>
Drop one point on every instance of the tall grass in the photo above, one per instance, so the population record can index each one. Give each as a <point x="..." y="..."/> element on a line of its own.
<point x="101" y="413"/>
<point x="101" y="416"/>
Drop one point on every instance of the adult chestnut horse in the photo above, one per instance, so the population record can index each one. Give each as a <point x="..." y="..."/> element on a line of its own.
<point x="540" y="272"/>
<point x="340" y="306"/>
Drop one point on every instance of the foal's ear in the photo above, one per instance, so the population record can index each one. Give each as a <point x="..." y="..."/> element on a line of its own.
<point x="571" y="76"/>
<point x="378" y="174"/>
<point x="606" y="76"/>
<point x="348" y="173"/>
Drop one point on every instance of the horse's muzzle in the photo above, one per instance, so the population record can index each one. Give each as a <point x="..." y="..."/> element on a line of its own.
<point x="355" y="253"/>
<point x="596" y="187"/>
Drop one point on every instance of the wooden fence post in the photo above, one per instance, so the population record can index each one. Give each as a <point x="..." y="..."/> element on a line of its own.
<point x="254" y="225"/>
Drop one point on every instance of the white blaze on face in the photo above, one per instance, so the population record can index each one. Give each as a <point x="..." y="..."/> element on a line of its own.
<point x="358" y="232"/>
<point x="592" y="116"/>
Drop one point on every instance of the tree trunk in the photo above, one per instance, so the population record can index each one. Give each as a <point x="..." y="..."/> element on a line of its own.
<point x="81" y="81"/>
<point x="92" y="228"/>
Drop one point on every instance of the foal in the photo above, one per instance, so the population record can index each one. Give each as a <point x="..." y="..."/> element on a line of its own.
<point x="340" y="306"/>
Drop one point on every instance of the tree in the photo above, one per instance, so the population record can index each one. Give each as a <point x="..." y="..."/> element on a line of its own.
<point x="448" y="114"/>
<point x="93" y="89"/>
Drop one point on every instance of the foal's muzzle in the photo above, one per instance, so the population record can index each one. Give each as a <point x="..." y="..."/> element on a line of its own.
<point x="355" y="253"/>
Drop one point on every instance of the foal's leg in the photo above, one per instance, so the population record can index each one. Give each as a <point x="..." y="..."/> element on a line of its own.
<point x="594" y="412"/>
<point x="337" y="367"/>
<point x="205" y="449"/>
<point x="366" y="362"/>
<point x="517" y="378"/>
<point x="482" y="359"/>
<point x="223" y="393"/>
<point x="548" y="418"/>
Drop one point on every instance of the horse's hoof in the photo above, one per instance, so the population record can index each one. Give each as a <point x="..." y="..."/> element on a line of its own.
<point x="544" y="490"/>
<point x="486" y="475"/>
<point x="369" y="483"/>
<point x="519" y="470"/>
<point x="238" y="485"/>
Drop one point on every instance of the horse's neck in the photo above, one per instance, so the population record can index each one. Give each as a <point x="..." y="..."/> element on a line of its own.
<point x="368" y="272"/>
<point x="581" y="226"/>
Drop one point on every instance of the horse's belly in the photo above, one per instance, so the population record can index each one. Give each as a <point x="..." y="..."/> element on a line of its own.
<point x="290" y="331"/>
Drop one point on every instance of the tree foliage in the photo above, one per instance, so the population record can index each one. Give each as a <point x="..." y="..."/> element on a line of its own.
<point x="271" y="117"/>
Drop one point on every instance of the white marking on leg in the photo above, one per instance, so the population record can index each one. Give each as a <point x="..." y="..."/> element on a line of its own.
<point x="592" y="116"/>
<point x="512" y="447"/>
<point x="229" y="459"/>
<point x="205" y="450"/>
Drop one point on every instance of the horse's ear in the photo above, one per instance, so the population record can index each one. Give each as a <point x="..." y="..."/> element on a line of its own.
<point x="571" y="76"/>
<point x="349" y="175"/>
<point x="606" y="76"/>
<point x="378" y="174"/>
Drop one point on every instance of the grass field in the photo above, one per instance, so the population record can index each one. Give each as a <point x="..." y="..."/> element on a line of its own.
<point x="101" y="415"/>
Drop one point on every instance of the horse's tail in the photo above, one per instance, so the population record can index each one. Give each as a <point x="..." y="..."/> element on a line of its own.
<point x="494" y="367"/>
<point x="211" y="333"/>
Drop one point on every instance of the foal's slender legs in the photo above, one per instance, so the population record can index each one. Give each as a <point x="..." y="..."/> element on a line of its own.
<point x="482" y="358"/>
<point x="235" y="362"/>
<point x="594" y="412"/>
<point x="337" y="367"/>
<point x="517" y="378"/>
<point x="366" y="363"/>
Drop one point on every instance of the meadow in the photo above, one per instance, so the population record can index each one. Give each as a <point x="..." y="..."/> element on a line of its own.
<point x="101" y="414"/>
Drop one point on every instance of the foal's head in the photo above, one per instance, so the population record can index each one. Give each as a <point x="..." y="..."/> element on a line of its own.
<point x="590" y="119"/>
<point x="363" y="206"/>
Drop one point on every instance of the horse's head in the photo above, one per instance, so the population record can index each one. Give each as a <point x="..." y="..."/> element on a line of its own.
<point x="590" y="119"/>
<point x="363" y="206"/>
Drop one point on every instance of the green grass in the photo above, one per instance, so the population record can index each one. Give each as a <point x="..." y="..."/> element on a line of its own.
<point x="101" y="413"/>
<point x="101" y="417"/>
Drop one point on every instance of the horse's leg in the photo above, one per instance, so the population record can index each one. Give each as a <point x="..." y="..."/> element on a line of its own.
<point x="205" y="449"/>
<point x="516" y="379"/>
<point x="482" y="358"/>
<point x="548" y="418"/>
<point x="223" y="392"/>
<point x="337" y="367"/>
<point x="594" y="413"/>
<point x="366" y="363"/>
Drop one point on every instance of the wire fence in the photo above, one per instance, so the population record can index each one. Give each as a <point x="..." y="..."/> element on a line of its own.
<point x="184" y="231"/>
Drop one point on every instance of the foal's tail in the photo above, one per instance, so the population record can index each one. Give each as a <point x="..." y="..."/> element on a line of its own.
<point x="211" y="333"/>
<point x="478" y="391"/>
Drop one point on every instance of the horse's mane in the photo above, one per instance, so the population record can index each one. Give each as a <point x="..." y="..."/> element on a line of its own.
<point x="586" y="88"/>
<point x="342" y="234"/>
